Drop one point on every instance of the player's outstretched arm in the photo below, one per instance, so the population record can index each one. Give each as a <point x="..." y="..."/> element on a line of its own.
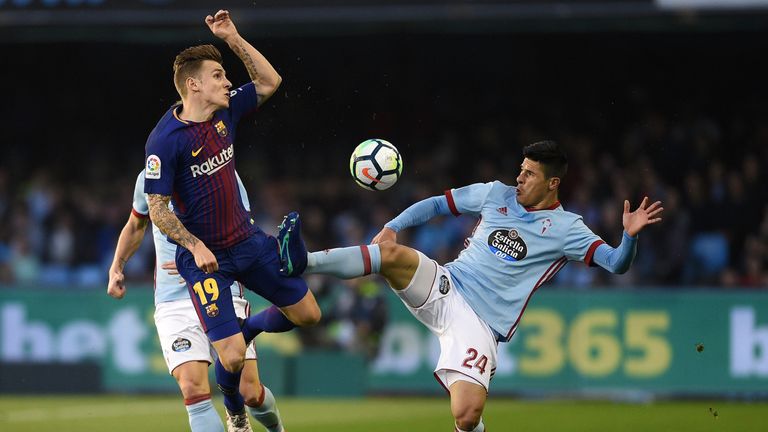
<point x="619" y="259"/>
<point x="263" y="75"/>
<point x="127" y="244"/>
<point x="645" y="215"/>
<point x="416" y="214"/>
<point x="170" y="225"/>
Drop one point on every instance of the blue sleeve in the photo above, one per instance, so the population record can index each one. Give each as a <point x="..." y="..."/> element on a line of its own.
<point x="140" y="204"/>
<point x="419" y="213"/>
<point x="581" y="242"/>
<point x="160" y="168"/>
<point x="617" y="260"/>
<point x="468" y="199"/>
<point x="242" y="101"/>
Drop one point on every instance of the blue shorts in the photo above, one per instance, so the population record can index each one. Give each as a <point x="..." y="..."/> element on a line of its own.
<point x="255" y="263"/>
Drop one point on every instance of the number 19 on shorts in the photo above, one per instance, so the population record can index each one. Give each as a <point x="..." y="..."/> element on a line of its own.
<point x="208" y="286"/>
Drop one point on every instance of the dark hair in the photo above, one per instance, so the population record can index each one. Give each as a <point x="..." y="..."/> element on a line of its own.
<point x="188" y="63"/>
<point x="552" y="158"/>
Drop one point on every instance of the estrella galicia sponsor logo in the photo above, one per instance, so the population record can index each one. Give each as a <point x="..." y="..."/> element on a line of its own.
<point x="507" y="245"/>
<point x="214" y="163"/>
<point x="212" y="310"/>
<point x="181" y="345"/>
<point x="445" y="285"/>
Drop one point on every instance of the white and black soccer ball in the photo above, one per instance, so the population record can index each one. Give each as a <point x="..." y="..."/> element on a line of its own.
<point x="376" y="164"/>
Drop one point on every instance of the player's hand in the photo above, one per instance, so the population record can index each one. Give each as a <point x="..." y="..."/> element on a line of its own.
<point x="116" y="286"/>
<point x="644" y="215"/>
<point x="221" y="25"/>
<point x="170" y="266"/>
<point x="204" y="258"/>
<point x="386" y="234"/>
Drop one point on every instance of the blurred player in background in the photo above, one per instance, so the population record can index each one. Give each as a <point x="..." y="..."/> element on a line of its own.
<point x="522" y="239"/>
<point x="190" y="155"/>
<point x="186" y="349"/>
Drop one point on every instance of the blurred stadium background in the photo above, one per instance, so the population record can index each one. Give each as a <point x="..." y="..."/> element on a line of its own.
<point x="664" y="98"/>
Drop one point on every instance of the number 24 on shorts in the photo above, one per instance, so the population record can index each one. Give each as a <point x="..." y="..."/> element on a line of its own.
<point x="480" y="363"/>
<point x="209" y="286"/>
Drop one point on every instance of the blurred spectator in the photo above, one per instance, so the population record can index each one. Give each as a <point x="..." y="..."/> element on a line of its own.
<point x="705" y="157"/>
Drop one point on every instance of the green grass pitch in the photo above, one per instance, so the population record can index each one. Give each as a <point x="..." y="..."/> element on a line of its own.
<point x="118" y="413"/>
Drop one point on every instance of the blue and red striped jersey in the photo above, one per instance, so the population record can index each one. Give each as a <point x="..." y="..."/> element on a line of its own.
<point x="194" y="163"/>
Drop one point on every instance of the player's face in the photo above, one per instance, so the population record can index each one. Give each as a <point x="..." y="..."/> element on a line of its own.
<point x="213" y="84"/>
<point x="532" y="184"/>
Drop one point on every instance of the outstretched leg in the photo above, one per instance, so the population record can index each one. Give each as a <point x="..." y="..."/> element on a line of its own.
<point x="397" y="263"/>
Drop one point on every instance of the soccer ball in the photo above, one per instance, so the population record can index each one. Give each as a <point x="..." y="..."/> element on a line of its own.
<point x="375" y="164"/>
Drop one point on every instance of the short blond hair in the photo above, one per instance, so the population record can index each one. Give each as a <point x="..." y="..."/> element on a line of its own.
<point x="188" y="62"/>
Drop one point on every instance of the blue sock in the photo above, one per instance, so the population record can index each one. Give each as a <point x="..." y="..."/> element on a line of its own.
<point x="203" y="416"/>
<point x="345" y="263"/>
<point x="270" y="320"/>
<point x="229" y="384"/>
<point x="266" y="412"/>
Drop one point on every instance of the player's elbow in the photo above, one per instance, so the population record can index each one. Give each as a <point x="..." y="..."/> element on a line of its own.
<point x="268" y="88"/>
<point x="621" y="269"/>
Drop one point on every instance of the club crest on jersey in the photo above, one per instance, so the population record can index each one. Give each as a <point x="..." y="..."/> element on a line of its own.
<point x="545" y="224"/>
<point x="507" y="245"/>
<point x="212" y="310"/>
<point x="445" y="285"/>
<point x="221" y="129"/>
<point x="152" y="170"/>
<point x="181" y="345"/>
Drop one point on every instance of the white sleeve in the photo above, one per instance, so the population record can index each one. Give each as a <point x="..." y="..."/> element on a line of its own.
<point x="243" y="193"/>
<point x="140" y="204"/>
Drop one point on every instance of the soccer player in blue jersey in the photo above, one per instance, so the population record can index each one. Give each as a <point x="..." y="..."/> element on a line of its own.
<point x="190" y="157"/>
<point x="523" y="238"/>
<point x="186" y="349"/>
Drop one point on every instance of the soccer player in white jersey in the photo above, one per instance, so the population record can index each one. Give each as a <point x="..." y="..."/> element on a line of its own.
<point x="186" y="348"/>
<point x="523" y="238"/>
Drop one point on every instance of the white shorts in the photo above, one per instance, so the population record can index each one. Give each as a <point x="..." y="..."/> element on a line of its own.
<point x="182" y="337"/>
<point x="467" y="344"/>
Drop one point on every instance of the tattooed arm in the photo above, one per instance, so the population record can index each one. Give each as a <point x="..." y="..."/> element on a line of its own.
<point x="263" y="75"/>
<point x="170" y="225"/>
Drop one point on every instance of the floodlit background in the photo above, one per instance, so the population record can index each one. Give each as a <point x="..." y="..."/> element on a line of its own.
<point x="665" y="99"/>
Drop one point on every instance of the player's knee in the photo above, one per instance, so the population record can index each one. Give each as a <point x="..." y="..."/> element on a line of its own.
<point x="191" y="385"/>
<point x="392" y="254"/>
<point x="468" y="417"/>
<point x="232" y="360"/>
<point x="309" y="317"/>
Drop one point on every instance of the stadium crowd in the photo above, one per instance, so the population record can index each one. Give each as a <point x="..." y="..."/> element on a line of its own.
<point x="715" y="233"/>
<point x="704" y="154"/>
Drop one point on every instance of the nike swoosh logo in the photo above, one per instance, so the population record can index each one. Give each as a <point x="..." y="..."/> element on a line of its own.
<point x="195" y="153"/>
<point x="368" y="176"/>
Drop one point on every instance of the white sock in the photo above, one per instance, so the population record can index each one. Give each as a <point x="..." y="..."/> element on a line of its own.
<point x="479" y="428"/>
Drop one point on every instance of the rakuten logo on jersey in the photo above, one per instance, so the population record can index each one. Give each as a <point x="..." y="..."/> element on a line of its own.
<point x="214" y="163"/>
